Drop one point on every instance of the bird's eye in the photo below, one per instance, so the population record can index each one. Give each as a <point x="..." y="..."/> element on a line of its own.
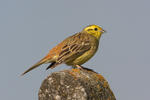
<point x="95" y="29"/>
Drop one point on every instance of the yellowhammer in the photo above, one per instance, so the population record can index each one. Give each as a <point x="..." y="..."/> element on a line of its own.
<point x="74" y="50"/>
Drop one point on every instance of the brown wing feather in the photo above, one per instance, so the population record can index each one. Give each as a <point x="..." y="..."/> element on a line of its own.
<point x="75" y="46"/>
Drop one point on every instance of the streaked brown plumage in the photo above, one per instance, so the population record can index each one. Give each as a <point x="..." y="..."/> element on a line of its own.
<point x="74" y="50"/>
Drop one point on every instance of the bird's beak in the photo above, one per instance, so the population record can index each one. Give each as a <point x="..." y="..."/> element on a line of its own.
<point x="102" y="31"/>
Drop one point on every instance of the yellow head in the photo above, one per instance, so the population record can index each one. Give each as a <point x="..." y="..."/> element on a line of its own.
<point x="94" y="30"/>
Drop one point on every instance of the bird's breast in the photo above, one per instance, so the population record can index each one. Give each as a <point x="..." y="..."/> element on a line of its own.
<point x="86" y="56"/>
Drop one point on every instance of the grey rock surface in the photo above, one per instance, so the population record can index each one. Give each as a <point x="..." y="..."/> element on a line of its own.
<point x="75" y="84"/>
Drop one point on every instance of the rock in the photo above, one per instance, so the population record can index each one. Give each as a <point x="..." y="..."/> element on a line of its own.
<point x="75" y="84"/>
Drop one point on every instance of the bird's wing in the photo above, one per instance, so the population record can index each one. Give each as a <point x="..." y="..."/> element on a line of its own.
<point x="73" y="47"/>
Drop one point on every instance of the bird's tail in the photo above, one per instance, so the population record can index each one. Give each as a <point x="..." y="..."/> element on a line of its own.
<point x="42" y="61"/>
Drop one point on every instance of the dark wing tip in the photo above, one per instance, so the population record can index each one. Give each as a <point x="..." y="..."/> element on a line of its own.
<point x="52" y="65"/>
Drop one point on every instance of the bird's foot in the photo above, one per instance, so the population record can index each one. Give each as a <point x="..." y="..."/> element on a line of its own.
<point x="79" y="67"/>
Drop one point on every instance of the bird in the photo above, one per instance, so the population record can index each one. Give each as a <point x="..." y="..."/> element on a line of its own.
<point x="74" y="50"/>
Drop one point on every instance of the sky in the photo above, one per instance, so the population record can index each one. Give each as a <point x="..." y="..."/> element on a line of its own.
<point x="30" y="28"/>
